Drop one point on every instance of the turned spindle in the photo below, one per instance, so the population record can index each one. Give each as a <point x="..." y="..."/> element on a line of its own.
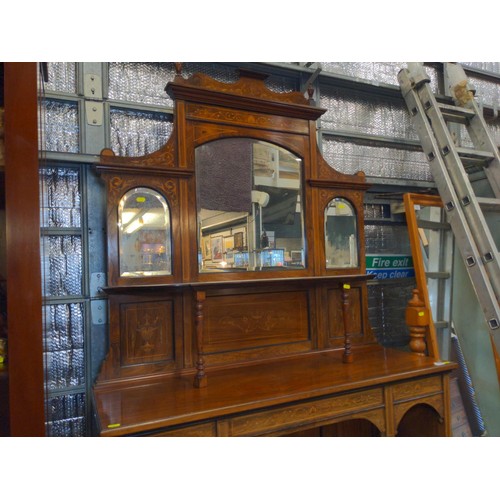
<point x="200" y="379"/>
<point x="417" y="320"/>
<point x="347" y="356"/>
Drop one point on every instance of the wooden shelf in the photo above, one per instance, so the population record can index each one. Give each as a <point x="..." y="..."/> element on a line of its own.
<point x="229" y="282"/>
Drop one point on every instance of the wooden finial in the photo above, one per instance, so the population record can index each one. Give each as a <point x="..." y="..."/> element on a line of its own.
<point x="417" y="320"/>
<point x="178" y="68"/>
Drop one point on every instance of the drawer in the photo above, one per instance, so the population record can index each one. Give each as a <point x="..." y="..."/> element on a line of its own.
<point x="199" y="430"/>
<point x="416" y="388"/>
<point x="310" y="412"/>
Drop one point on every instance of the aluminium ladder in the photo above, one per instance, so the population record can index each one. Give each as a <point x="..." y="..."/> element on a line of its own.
<point x="455" y="172"/>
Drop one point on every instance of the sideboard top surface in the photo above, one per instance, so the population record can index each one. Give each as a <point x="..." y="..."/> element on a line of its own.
<point x="173" y="400"/>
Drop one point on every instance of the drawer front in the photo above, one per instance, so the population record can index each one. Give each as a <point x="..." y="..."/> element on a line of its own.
<point x="200" y="430"/>
<point x="303" y="413"/>
<point x="417" y="388"/>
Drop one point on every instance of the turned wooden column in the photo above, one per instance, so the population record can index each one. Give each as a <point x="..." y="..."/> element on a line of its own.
<point x="347" y="356"/>
<point x="417" y="319"/>
<point x="200" y="379"/>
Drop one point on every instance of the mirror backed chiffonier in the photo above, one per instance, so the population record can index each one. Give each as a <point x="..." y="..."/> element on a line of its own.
<point x="237" y="284"/>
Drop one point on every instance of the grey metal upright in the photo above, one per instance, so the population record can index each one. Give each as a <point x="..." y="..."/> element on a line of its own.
<point x="455" y="172"/>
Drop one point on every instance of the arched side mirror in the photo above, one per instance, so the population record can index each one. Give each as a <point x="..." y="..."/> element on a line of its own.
<point x="341" y="235"/>
<point x="144" y="234"/>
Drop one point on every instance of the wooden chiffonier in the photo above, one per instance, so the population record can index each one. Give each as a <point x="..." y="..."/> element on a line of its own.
<point x="237" y="284"/>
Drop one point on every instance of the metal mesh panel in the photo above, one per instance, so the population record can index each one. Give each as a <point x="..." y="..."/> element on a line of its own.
<point x="385" y="72"/>
<point x="377" y="211"/>
<point x="140" y="82"/>
<point x="217" y="71"/>
<point x="64" y="326"/>
<point x="387" y="303"/>
<point x="348" y="157"/>
<point x="62" y="265"/>
<point x="390" y="239"/>
<point x="361" y="113"/>
<point x="66" y="416"/>
<point x="464" y="140"/>
<point x="62" y="77"/>
<point x="65" y="368"/>
<point x="60" y="197"/>
<point x="280" y="84"/>
<point x="136" y="133"/>
<point x="145" y="82"/>
<point x="486" y="92"/>
<point x="60" y="130"/>
<point x="434" y="76"/>
<point x="492" y="67"/>
<point x="380" y="72"/>
<point x="494" y="130"/>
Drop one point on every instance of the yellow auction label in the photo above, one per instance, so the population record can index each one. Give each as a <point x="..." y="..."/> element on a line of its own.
<point x="113" y="426"/>
<point x="421" y="313"/>
<point x="347" y="287"/>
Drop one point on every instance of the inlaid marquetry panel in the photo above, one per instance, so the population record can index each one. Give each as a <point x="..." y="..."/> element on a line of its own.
<point x="415" y="388"/>
<point x="148" y="332"/>
<point x="255" y="120"/>
<point x="255" y="320"/>
<point x="335" y="314"/>
<point x="304" y="413"/>
<point x="336" y="427"/>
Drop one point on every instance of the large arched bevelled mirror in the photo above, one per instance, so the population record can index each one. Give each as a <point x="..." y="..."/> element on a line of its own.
<point x="250" y="213"/>
<point x="144" y="234"/>
<point x="341" y="235"/>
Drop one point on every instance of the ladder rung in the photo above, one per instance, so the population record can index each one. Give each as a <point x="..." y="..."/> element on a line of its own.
<point x="436" y="226"/>
<point x="489" y="204"/>
<point x="437" y="275"/>
<point x="456" y="114"/>
<point x="474" y="157"/>
<point x="441" y="324"/>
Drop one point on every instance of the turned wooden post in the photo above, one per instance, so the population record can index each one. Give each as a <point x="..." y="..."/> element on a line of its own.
<point x="200" y="379"/>
<point x="417" y="319"/>
<point x="347" y="356"/>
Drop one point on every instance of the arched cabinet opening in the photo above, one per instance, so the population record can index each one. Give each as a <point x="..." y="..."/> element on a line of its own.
<point x="249" y="209"/>
<point x="421" y="420"/>
<point x="144" y="234"/>
<point x="341" y="235"/>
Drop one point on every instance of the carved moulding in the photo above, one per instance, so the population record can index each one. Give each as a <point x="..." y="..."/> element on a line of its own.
<point x="312" y="412"/>
<point x="248" y="93"/>
<point x="160" y="161"/>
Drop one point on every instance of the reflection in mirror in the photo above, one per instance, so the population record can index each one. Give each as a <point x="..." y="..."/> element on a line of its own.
<point x="341" y="241"/>
<point x="436" y="246"/>
<point x="250" y="214"/>
<point x="144" y="234"/>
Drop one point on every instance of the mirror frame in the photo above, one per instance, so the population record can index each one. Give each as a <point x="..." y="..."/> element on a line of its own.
<point x="207" y="110"/>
